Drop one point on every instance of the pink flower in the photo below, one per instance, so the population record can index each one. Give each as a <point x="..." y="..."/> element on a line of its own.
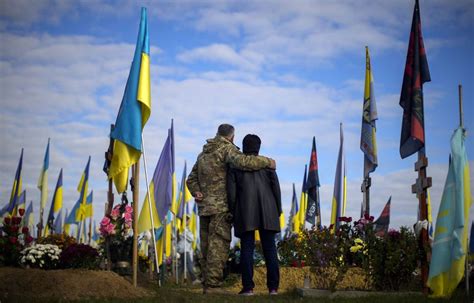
<point x="128" y="209"/>
<point x="107" y="227"/>
<point x="128" y="217"/>
<point x="115" y="213"/>
<point x="105" y="221"/>
<point x="110" y="229"/>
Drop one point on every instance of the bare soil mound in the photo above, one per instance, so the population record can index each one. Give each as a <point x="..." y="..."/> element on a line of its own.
<point x="28" y="284"/>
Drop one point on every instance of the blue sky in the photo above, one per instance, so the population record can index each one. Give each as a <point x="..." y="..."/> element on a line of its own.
<point x="285" y="70"/>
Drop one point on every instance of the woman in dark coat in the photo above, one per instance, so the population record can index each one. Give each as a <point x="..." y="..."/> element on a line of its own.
<point x="254" y="199"/>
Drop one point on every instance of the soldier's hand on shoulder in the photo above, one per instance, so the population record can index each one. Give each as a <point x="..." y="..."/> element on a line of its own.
<point x="198" y="196"/>
<point x="273" y="164"/>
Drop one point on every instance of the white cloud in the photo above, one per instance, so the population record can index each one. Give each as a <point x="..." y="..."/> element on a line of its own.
<point x="221" y="53"/>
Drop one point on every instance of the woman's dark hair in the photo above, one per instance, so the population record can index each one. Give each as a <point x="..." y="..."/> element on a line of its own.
<point x="251" y="144"/>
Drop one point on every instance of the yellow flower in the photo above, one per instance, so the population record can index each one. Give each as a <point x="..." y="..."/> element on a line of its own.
<point x="355" y="248"/>
<point x="359" y="241"/>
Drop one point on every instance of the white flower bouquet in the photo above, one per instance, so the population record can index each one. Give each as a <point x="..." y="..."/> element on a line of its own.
<point x="45" y="256"/>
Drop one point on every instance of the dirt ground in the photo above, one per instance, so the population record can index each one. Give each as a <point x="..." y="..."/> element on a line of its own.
<point x="293" y="277"/>
<point x="27" y="284"/>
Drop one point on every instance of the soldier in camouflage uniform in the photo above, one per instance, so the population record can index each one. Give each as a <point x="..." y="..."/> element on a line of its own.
<point x="207" y="183"/>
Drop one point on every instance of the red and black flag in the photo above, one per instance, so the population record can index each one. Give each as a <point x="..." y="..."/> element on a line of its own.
<point x="411" y="98"/>
<point x="382" y="223"/>
<point x="312" y="186"/>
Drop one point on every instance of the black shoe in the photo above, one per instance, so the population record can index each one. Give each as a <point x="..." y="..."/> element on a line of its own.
<point x="246" y="292"/>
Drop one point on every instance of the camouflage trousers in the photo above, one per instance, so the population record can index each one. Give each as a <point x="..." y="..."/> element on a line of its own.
<point x="215" y="233"/>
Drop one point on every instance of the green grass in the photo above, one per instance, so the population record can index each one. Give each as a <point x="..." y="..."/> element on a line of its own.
<point x="171" y="293"/>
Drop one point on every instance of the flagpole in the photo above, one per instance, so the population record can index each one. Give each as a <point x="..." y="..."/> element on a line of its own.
<point x="110" y="195"/>
<point x="79" y="229"/>
<point x="150" y="207"/>
<point x="461" y="124"/>
<point x="365" y="188"/>
<point x="184" y="275"/>
<point x="461" y="113"/>
<point x="135" y="189"/>
<point x="108" y="157"/>
<point x="90" y="230"/>
<point x="175" y="240"/>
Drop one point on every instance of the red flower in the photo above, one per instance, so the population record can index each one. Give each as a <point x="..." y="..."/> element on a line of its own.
<point x="25" y="230"/>
<point x="302" y="264"/>
<point x="29" y="239"/>
<point x="371" y="218"/>
<point x="16" y="220"/>
<point x="7" y="220"/>
<point x="14" y="228"/>
<point x="21" y="211"/>
<point x="366" y="216"/>
<point x="294" y="263"/>
<point x="13" y="240"/>
<point x="345" y="219"/>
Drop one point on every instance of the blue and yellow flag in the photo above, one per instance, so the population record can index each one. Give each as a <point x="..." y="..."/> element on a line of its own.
<point x="71" y="218"/>
<point x="21" y="202"/>
<point x="193" y="225"/>
<point x="168" y="231"/>
<point x="58" y="223"/>
<point x="161" y="190"/>
<point x="184" y="198"/>
<point x="339" y="195"/>
<point x="368" y="143"/>
<point x="294" y="223"/>
<point x="29" y="218"/>
<point x="174" y="184"/>
<point x="16" y="188"/>
<point x="303" y="201"/>
<point x="449" y="248"/>
<point x="43" y="178"/>
<point x="95" y="233"/>
<point x="82" y="188"/>
<point x="134" y="111"/>
<point x="57" y="202"/>
<point x="66" y="226"/>
<point x="160" y="243"/>
<point x="88" y="210"/>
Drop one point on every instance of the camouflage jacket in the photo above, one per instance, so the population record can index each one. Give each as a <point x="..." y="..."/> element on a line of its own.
<point x="209" y="173"/>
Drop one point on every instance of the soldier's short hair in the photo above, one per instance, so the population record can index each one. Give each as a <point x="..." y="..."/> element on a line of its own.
<point x="225" y="130"/>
